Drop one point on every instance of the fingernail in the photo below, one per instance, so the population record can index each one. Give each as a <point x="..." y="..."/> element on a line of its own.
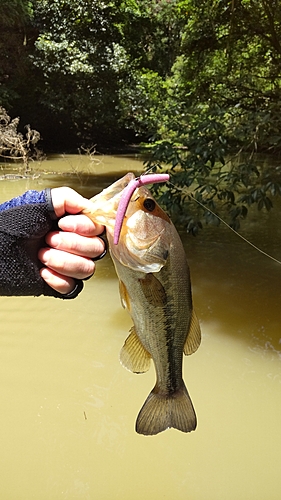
<point x="43" y="255"/>
<point x="44" y="273"/>
<point x="55" y="240"/>
<point x="99" y="257"/>
<point x="102" y="234"/>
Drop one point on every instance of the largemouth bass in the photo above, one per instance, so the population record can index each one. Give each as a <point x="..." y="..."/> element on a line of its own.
<point x="155" y="289"/>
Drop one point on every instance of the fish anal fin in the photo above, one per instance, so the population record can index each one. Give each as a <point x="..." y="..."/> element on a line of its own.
<point x="161" y="412"/>
<point x="153" y="290"/>
<point x="133" y="355"/>
<point x="193" y="338"/>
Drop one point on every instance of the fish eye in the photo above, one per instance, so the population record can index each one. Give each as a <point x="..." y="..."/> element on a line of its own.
<point x="149" y="204"/>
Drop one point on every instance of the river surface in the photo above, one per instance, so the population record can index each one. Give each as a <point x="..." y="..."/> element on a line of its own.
<point x="68" y="408"/>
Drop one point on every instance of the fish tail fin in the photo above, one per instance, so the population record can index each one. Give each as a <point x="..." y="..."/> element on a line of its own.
<point x="160" y="412"/>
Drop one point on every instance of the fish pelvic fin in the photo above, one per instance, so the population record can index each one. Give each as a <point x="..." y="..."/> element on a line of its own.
<point x="193" y="338"/>
<point x="161" y="412"/>
<point x="133" y="355"/>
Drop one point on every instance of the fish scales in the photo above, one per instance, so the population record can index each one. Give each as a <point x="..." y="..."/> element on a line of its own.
<point x="155" y="289"/>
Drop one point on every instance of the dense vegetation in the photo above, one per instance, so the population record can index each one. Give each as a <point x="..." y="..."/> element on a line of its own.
<point x="198" y="81"/>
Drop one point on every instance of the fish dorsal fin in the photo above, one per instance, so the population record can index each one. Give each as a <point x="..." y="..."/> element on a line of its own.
<point x="193" y="338"/>
<point x="133" y="355"/>
<point x="153" y="290"/>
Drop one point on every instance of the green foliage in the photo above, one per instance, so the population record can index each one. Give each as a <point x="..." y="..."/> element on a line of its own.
<point x="208" y="178"/>
<point x="198" y="81"/>
<point x="102" y="64"/>
<point x="14" y="19"/>
<point x="223" y="108"/>
<point x="76" y="54"/>
<point x="139" y="101"/>
<point x="15" y="12"/>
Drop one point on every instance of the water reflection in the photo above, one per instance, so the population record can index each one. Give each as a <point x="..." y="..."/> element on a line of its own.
<point x="68" y="408"/>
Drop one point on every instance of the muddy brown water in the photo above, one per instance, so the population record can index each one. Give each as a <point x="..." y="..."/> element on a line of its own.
<point x="68" y="408"/>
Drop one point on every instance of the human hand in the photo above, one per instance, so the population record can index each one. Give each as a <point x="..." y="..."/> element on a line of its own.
<point x="72" y="249"/>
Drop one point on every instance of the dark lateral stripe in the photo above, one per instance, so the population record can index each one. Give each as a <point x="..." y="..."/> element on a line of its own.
<point x="174" y="371"/>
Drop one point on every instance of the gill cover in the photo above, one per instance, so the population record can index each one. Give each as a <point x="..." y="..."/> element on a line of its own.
<point x="145" y="229"/>
<point x="127" y="194"/>
<point x="145" y="235"/>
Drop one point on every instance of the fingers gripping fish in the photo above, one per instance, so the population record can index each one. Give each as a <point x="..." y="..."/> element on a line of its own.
<point x="155" y="289"/>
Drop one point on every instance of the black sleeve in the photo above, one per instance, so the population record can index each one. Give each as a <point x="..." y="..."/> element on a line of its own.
<point x="22" y="233"/>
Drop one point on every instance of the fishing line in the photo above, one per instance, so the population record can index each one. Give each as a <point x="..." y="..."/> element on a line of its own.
<point x="190" y="195"/>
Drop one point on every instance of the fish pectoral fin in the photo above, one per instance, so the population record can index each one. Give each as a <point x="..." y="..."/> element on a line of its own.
<point x="125" y="299"/>
<point x="133" y="355"/>
<point x="153" y="290"/>
<point x="193" y="338"/>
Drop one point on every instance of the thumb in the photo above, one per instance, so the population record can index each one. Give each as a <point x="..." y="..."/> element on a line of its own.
<point x="67" y="200"/>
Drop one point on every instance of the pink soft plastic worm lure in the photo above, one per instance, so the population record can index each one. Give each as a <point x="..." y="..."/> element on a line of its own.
<point x="127" y="194"/>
